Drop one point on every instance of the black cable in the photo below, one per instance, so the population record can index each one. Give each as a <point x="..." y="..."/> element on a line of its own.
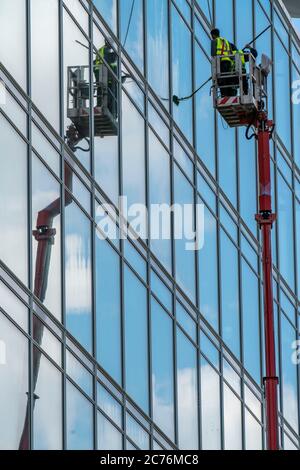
<point x="77" y="147"/>
<point x="250" y="137"/>
<point x="257" y="37"/>
<point x="129" y="22"/>
<point x="177" y="100"/>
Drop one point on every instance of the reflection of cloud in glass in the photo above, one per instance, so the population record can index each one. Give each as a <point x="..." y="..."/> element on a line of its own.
<point x="14" y="384"/>
<point x="109" y="438"/>
<point x="108" y="10"/>
<point x="232" y="414"/>
<point x="78" y="268"/>
<point x="187" y="413"/>
<point x="13" y="207"/>
<point x="79" y="420"/>
<point x="162" y="406"/>
<point x="157" y="46"/>
<point x="134" y="42"/>
<point x="45" y="78"/>
<point x="290" y="405"/>
<point x="48" y="407"/>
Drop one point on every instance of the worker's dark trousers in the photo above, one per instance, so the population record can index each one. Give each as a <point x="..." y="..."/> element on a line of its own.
<point x="245" y="85"/>
<point x="226" y="89"/>
<point x="112" y="95"/>
<point x="97" y="77"/>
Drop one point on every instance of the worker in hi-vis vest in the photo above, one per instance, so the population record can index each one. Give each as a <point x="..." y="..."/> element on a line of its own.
<point x="221" y="47"/>
<point x="244" y="59"/>
<point x="106" y="55"/>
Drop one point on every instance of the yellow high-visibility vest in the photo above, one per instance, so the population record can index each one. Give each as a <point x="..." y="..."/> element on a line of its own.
<point x="100" y="58"/>
<point x="223" y="48"/>
<point x="242" y="55"/>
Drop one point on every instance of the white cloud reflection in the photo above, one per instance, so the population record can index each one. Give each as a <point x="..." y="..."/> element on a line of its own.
<point x="78" y="279"/>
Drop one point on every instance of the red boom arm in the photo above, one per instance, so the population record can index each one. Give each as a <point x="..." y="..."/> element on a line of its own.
<point x="266" y="219"/>
<point x="44" y="235"/>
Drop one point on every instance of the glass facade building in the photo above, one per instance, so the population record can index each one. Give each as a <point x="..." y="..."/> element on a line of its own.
<point x="140" y="343"/>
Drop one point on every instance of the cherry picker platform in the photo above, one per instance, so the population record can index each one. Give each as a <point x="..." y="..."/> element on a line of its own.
<point x="240" y="94"/>
<point x="104" y="103"/>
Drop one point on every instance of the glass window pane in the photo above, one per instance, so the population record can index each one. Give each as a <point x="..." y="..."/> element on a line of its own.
<point x="157" y="43"/>
<point x="185" y="258"/>
<point x="46" y="208"/>
<point x="45" y="65"/>
<point x="162" y="369"/>
<point x="282" y="94"/>
<point x="109" y="438"/>
<point x="14" y="387"/>
<point x="232" y="421"/>
<point x="108" y="10"/>
<point x="210" y="407"/>
<point x="253" y="433"/>
<point x="289" y="373"/>
<point x="182" y="72"/>
<point x="109" y="405"/>
<point x="48" y="406"/>
<point x="208" y="271"/>
<point x="132" y="31"/>
<point x="79" y="420"/>
<point x="78" y="275"/>
<point x="13" y="205"/>
<point x="136" y="340"/>
<point x="133" y="147"/>
<point x="13" y="39"/>
<point x="251" y="322"/>
<point x="108" y="309"/>
<point x="13" y="306"/>
<point x="187" y="393"/>
<point x="137" y="433"/>
<point x="160" y="196"/>
<point x="230" y="294"/>
<point x="79" y="373"/>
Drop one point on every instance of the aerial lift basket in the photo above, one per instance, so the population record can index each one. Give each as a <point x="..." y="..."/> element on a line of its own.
<point x="240" y="93"/>
<point x="104" y="101"/>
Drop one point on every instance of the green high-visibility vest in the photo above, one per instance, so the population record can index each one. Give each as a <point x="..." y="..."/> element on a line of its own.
<point x="224" y="49"/>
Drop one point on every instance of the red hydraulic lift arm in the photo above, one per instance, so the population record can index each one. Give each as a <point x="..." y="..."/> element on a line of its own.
<point x="266" y="219"/>
<point x="44" y="235"/>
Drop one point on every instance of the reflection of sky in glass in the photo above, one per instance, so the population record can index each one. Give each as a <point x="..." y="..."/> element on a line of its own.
<point x="109" y="438"/>
<point x="157" y="16"/>
<point x="78" y="275"/>
<point x="108" y="316"/>
<point x="107" y="8"/>
<point x="182" y="72"/>
<point x="296" y="22"/>
<point x="79" y="420"/>
<point x="136" y="332"/>
<point x="133" y="29"/>
<point x="162" y="374"/>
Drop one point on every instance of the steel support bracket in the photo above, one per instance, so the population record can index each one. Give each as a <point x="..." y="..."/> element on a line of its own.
<point x="266" y="220"/>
